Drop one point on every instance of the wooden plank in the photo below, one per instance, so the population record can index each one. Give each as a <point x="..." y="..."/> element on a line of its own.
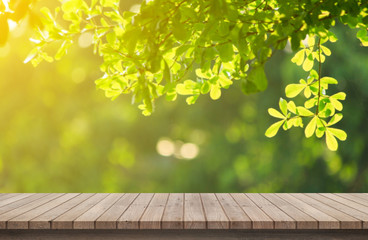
<point x="215" y="215"/>
<point x="353" y="198"/>
<point x="360" y="195"/>
<point x="21" y="202"/>
<point x="238" y="219"/>
<point x="25" y="208"/>
<point x="14" y="198"/>
<point x="21" y="221"/>
<point x="130" y="218"/>
<point x="303" y="220"/>
<point x="108" y="219"/>
<point x="331" y="201"/>
<point x="346" y="221"/>
<point x="65" y="221"/>
<point x="87" y="219"/>
<point x="173" y="217"/>
<point x="281" y="219"/>
<point x="7" y="195"/>
<point x="194" y="217"/>
<point x="44" y="220"/>
<point x="324" y="221"/>
<point x="260" y="220"/>
<point x="151" y="219"/>
<point x="347" y="202"/>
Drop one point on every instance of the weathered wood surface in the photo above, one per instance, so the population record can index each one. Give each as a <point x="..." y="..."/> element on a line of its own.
<point x="178" y="211"/>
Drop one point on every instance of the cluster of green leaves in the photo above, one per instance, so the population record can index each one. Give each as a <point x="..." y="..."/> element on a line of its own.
<point x="149" y="54"/>
<point x="318" y="106"/>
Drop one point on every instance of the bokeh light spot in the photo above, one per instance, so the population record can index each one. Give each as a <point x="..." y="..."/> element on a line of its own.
<point x="165" y="147"/>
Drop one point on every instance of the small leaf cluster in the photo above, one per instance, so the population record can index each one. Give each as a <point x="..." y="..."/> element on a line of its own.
<point x="319" y="109"/>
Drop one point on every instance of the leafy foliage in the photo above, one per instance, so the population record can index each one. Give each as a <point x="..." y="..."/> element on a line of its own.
<point x="149" y="54"/>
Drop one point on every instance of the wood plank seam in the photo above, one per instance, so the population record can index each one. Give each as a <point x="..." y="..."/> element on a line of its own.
<point x="273" y="222"/>
<point x="94" y="222"/>
<point x="204" y="212"/>
<point x="163" y="213"/>
<point x="280" y="210"/>
<point x="228" y="218"/>
<point x="56" y="206"/>
<point x="139" y="221"/>
<point x="251" y="222"/>
<point x="6" y="223"/>
<point x="126" y="209"/>
<point x="339" y="212"/>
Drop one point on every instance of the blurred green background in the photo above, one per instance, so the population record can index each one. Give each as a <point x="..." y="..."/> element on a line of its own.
<point x="59" y="134"/>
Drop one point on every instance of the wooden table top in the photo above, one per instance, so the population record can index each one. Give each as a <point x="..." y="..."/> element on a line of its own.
<point x="183" y="211"/>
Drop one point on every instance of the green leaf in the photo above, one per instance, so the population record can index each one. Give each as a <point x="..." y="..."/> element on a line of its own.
<point x="339" y="96"/>
<point x="336" y="104"/>
<point x="274" y="113"/>
<point x="338" y="133"/>
<point x="298" y="57"/>
<point x="256" y="81"/>
<point x="311" y="127"/>
<point x="283" y="106"/>
<point x="292" y="90"/>
<point x="301" y="111"/>
<point x="335" y="119"/>
<point x="226" y="52"/>
<point x="206" y="87"/>
<point x="331" y="141"/>
<point x="291" y="107"/>
<point x="63" y="49"/>
<point x="326" y="50"/>
<point x="274" y="128"/>
<point x="320" y="132"/>
<point x="308" y="63"/>
<point x="328" y="80"/>
<point x="215" y="92"/>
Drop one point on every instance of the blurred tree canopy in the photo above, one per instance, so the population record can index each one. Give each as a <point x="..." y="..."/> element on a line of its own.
<point x="58" y="134"/>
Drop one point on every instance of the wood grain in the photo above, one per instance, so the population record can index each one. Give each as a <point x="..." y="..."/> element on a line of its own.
<point x="215" y="215"/>
<point x="194" y="217"/>
<point x="44" y="220"/>
<point x="65" y="221"/>
<point x="87" y="219"/>
<point x="151" y="219"/>
<point x="260" y="220"/>
<point x="238" y="219"/>
<point x="346" y="221"/>
<point x="303" y="220"/>
<point x="109" y="218"/>
<point x="130" y="218"/>
<point x="173" y="217"/>
<point x="324" y="221"/>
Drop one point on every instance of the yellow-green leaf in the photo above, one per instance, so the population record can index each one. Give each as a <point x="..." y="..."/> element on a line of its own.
<point x="308" y="63"/>
<point x="340" y="134"/>
<point x="335" y="119"/>
<point x="311" y="127"/>
<point x="331" y="141"/>
<point x="292" y="90"/>
<point x="215" y="92"/>
<point x="298" y="57"/>
<point x="283" y="106"/>
<point x="274" y="128"/>
<point x="274" y="113"/>
<point x="304" y="112"/>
